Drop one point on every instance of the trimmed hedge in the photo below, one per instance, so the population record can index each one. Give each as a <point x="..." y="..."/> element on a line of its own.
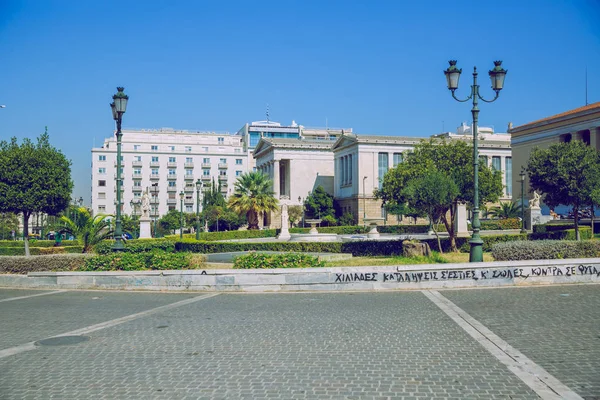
<point x="35" y="243"/>
<point x="566" y="234"/>
<point x="137" y="246"/>
<point x="130" y="261"/>
<point x="338" y="230"/>
<point x="500" y="224"/>
<point x="229" y="235"/>
<point x="545" y="250"/>
<point x="462" y="243"/>
<point x="34" y="251"/>
<point x="262" y="261"/>
<point x="54" y="262"/>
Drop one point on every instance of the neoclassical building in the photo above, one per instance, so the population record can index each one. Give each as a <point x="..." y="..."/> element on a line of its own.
<point x="581" y="123"/>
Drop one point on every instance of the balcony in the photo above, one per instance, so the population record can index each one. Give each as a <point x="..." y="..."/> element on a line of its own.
<point x="154" y="214"/>
<point x="206" y="178"/>
<point x="122" y="176"/>
<point x="172" y="177"/>
<point x="188" y="201"/>
<point x="136" y="189"/>
<point x="136" y="163"/>
<point x="155" y="164"/>
<point x="205" y="165"/>
<point x="222" y="177"/>
<point x="172" y="165"/>
<point x="172" y="189"/>
<point x="171" y="201"/>
<point x="189" y="177"/>
<point x="222" y="165"/>
<point x="154" y="201"/>
<point x="154" y="177"/>
<point x="189" y="189"/>
<point x="189" y="165"/>
<point x="137" y="176"/>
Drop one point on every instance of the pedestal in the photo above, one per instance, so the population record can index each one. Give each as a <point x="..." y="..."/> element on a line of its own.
<point x="534" y="217"/>
<point x="461" y="228"/>
<point x="373" y="233"/>
<point x="145" y="228"/>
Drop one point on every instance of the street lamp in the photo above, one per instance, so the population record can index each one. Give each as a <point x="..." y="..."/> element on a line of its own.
<point x="154" y="211"/>
<point x="118" y="107"/>
<point x="497" y="76"/>
<point x="364" y="202"/>
<point x="301" y="205"/>
<point x="522" y="179"/>
<point x="181" y="196"/>
<point x="134" y="205"/>
<point x="198" y="187"/>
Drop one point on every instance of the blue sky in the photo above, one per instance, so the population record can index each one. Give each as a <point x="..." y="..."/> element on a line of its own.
<point x="375" y="66"/>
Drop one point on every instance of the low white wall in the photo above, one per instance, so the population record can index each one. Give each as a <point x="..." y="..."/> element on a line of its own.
<point x="432" y="276"/>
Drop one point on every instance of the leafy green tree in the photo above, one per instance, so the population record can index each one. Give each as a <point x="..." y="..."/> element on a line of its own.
<point x="213" y="197"/>
<point x="295" y="214"/>
<point x="88" y="230"/>
<point x="253" y="195"/>
<point x="9" y="222"/>
<point x="505" y="210"/>
<point x="130" y="225"/>
<point x="454" y="160"/>
<point x="171" y="221"/>
<point x="34" y="177"/>
<point x="319" y="203"/>
<point x="433" y="194"/>
<point x="566" y="173"/>
<point x="347" y="219"/>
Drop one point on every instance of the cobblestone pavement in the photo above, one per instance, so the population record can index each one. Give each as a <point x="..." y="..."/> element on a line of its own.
<point x="396" y="345"/>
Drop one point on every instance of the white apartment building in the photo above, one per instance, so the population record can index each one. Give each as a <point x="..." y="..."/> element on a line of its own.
<point x="165" y="162"/>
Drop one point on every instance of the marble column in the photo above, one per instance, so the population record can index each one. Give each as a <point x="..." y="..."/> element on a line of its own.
<point x="276" y="182"/>
<point x="595" y="138"/>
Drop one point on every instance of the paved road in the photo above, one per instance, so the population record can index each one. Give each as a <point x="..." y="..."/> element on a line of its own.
<point x="515" y="343"/>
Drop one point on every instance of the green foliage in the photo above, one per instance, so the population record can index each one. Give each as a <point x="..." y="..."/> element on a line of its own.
<point x="264" y="260"/>
<point x="501" y="224"/>
<point x="230" y="235"/>
<point x="57" y="262"/>
<point x="88" y="230"/>
<point x="566" y="173"/>
<point x="319" y="204"/>
<point x="20" y="251"/>
<point x="463" y="243"/>
<point x="339" y="230"/>
<point x="505" y="210"/>
<point x="347" y="219"/>
<point x="545" y="250"/>
<point x="171" y="221"/>
<point x="585" y="233"/>
<point x="8" y="222"/>
<point x="213" y="196"/>
<point x="137" y="246"/>
<point x="252" y="196"/>
<point x="34" y="177"/>
<point x="328" y="220"/>
<point x="295" y="214"/>
<point x="35" y="243"/>
<point x="154" y="260"/>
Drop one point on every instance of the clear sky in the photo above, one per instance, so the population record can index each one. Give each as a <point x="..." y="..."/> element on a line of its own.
<point x="374" y="66"/>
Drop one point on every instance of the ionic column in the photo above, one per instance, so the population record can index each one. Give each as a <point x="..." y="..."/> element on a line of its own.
<point x="276" y="178"/>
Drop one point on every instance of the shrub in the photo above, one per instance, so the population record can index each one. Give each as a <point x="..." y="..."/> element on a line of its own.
<point x="338" y="230"/>
<point x="35" y="243"/>
<point x="408" y="229"/>
<point x="124" y="261"/>
<point x="347" y="219"/>
<point x="54" y="262"/>
<point x="501" y="224"/>
<point x="545" y="250"/>
<point x="329" y="220"/>
<point x="229" y="235"/>
<point x="263" y="260"/>
<point x="137" y="246"/>
<point x="20" y="251"/>
<point x="565" y="234"/>
<point x="462" y="243"/>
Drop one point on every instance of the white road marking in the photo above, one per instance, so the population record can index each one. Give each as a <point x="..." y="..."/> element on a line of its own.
<point x="534" y="376"/>
<point x="103" y="325"/>
<point x="33" y="295"/>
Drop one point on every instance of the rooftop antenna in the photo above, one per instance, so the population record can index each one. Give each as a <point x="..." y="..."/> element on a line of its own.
<point x="267" y="113"/>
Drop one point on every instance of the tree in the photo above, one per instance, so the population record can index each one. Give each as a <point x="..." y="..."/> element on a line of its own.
<point x="319" y="203"/>
<point x="295" y="214"/>
<point x="566" y="173"/>
<point x="170" y="221"/>
<point x="9" y="223"/>
<point x="506" y="210"/>
<point x="433" y="194"/>
<point x="454" y="160"/>
<point x="253" y="195"/>
<point x="87" y="230"/>
<point x="34" y="178"/>
<point x="347" y="219"/>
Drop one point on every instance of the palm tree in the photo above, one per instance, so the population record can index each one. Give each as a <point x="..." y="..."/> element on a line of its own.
<point x="506" y="210"/>
<point x="252" y="196"/>
<point x="87" y="229"/>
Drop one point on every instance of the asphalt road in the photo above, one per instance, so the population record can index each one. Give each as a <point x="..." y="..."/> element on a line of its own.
<point x="509" y="343"/>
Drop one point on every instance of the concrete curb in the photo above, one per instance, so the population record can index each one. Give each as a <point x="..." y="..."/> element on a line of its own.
<point x="403" y="277"/>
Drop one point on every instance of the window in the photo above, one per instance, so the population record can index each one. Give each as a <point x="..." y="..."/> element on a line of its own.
<point x="222" y="161"/>
<point x="508" y="174"/>
<point x="205" y="149"/>
<point x="102" y="171"/>
<point x="188" y="149"/>
<point x="137" y="195"/>
<point x="221" y="140"/>
<point x="496" y="163"/>
<point x="350" y="169"/>
<point x="101" y="157"/>
<point x="238" y="173"/>
<point x="137" y="183"/>
<point x="137" y="171"/>
<point x="189" y="172"/>
<point x="189" y="160"/>
<point x="237" y="150"/>
<point x="154" y="158"/>
<point x="383" y="166"/>
<point x="189" y="209"/>
<point x="172" y="172"/>
<point x="254" y="138"/>
<point x="102" y="195"/>
<point x="397" y="159"/>
<point x="172" y="196"/>
<point x="206" y="160"/>
<point x="137" y="158"/>
<point x="172" y="183"/>
<point x="101" y="183"/>
<point x="206" y="172"/>
<point x="136" y="147"/>
<point x="222" y="173"/>
<point x="154" y="171"/>
<point x="238" y="161"/>
<point x="172" y="159"/>
<point x="172" y="148"/>
<point x="154" y="147"/>
<point x="101" y="209"/>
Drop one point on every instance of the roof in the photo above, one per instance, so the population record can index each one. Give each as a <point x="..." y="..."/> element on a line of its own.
<point x="590" y="108"/>
<point x="287" y="143"/>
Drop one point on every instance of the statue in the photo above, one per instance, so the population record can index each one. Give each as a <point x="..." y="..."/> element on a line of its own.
<point x="535" y="202"/>
<point x="285" y="223"/>
<point x="145" y="205"/>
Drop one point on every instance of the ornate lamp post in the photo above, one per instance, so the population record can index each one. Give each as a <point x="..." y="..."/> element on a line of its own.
<point x="198" y="187"/>
<point x="522" y="180"/>
<point x="118" y="107"/>
<point x="497" y="76"/>
<point x="181" y="196"/>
